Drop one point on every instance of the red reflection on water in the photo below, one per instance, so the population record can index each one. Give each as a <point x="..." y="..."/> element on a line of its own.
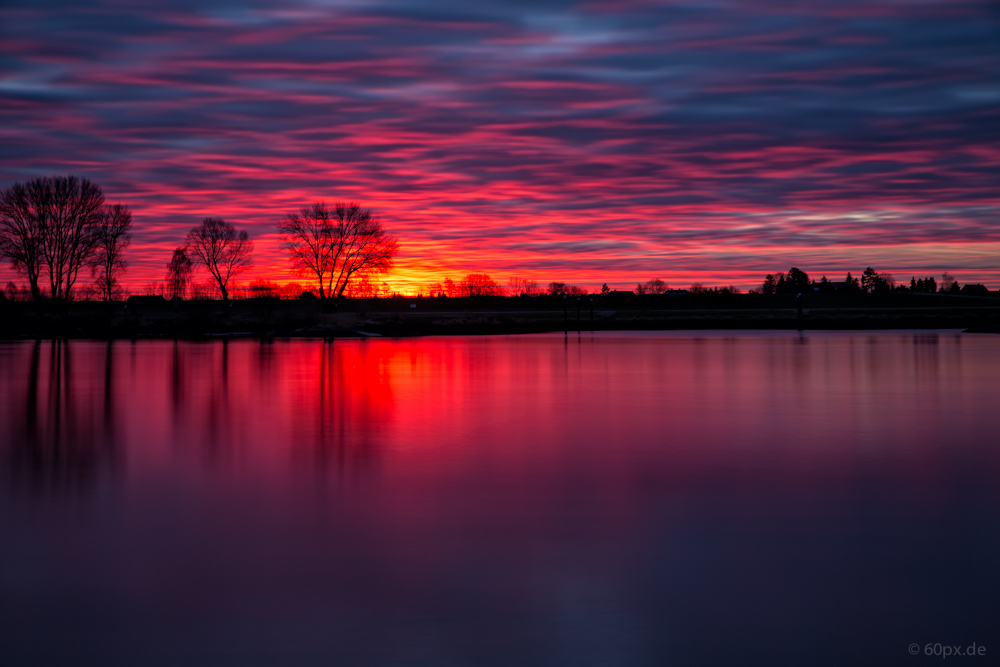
<point x="59" y="412"/>
<point x="796" y="411"/>
<point x="489" y="487"/>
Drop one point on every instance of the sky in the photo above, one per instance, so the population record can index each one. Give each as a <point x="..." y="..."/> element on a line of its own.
<point x="708" y="141"/>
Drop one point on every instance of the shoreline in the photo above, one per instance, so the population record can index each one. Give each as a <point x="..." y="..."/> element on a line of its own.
<point x="155" y="318"/>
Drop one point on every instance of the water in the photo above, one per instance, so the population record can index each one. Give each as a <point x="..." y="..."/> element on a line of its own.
<point x="622" y="499"/>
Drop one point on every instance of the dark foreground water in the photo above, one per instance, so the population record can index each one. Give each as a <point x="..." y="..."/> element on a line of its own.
<point x="619" y="499"/>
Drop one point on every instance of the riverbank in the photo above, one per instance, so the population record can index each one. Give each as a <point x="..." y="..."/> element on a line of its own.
<point x="153" y="317"/>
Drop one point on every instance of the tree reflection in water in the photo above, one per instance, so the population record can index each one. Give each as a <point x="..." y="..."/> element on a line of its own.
<point x="63" y="427"/>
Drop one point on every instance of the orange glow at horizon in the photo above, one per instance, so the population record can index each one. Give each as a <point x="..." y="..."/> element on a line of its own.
<point x="438" y="244"/>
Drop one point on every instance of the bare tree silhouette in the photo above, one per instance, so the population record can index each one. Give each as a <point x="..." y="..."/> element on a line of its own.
<point x="222" y="250"/>
<point x="480" y="284"/>
<point x="522" y="287"/>
<point x="23" y="212"/>
<point x="50" y="222"/>
<point x="654" y="286"/>
<point x="338" y="244"/>
<point x="75" y="208"/>
<point x="179" y="273"/>
<point x="113" y="236"/>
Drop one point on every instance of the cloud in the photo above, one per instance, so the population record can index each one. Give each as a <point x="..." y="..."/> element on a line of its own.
<point x="597" y="140"/>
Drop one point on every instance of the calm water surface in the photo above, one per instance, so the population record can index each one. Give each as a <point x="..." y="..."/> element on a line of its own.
<point x="621" y="499"/>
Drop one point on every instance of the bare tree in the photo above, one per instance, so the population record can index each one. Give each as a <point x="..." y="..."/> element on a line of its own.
<point x="522" y="287"/>
<point x="23" y="217"/>
<point x="656" y="286"/>
<point x="948" y="283"/>
<point x="75" y="208"/>
<point x="50" y="223"/>
<point x="480" y="284"/>
<point x="113" y="236"/>
<point x="12" y="291"/>
<point x="179" y="273"/>
<point x="222" y="250"/>
<point x="338" y="244"/>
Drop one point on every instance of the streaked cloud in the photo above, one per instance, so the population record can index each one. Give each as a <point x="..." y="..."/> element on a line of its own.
<point x="590" y="141"/>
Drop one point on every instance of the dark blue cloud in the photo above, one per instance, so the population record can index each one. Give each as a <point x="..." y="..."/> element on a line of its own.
<point x="839" y="124"/>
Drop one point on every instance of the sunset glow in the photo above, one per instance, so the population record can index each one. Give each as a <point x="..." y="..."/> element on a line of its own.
<point x="584" y="142"/>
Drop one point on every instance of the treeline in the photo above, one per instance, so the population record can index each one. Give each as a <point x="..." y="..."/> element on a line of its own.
<point x="481" y="284"/>
<point x="797" y="281"/>
<point x="55" y="228"/>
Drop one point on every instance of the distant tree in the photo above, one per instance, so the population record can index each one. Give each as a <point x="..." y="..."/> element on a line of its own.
<point x="824" y="285"/>
<point x="851" y="285"/>
<point x="154" y="289"/>
<point x="656" y="286"/>
<point x="872" y="281"/>
<point x="179" y="273"/>
<point x="113" y="236"/>
<point x="291" y="290"/>
<point x="797" y="281"/>
<point x="366" y="285"/>
<point x="522" y="287"/>
<point x="641" y="288"/>
<point x="923" y="285"/>
<point x="770" y="285"/>
<point x="793" y="282"/>
<point x="948" y="283"/>
<point x="605" y="290"/>
<point x="449" y="287"/>
<point x="222" y="250"/>
<point x="263" y="289"/>
<point x="203" y="291"/>
<point x="698" y="288"/>
<point x="868" y="280"/>
<point x="338" y="244"/>
<point x="557" y="289"/>
<point x="479" y="284"/>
